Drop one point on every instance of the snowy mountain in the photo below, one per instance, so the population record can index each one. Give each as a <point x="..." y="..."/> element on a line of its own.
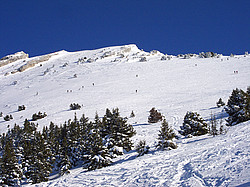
<point x="131" y="79"/>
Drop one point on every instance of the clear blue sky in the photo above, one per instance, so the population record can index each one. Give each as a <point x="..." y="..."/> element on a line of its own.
<point x="170" y="26"/>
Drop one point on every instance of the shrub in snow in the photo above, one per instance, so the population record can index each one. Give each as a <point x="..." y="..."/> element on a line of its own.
<point x="220" y="103"/>
<point x="153" y="52"/>
<point x="90" y="60"/>
<point x="1" y="114"/>
<point x="8" y="117"/>
<point x="187" y="56"/>
<point x="132" y="114"/>
<point x="207" y="55"/>
<point x="22" y="107"/>
<point x="213" y="126"/>
<point x="65" y="64"/>
<point x="238" y="107"/>
<point x="39" y="115"/>
<point x="163" y="58"/>
<point x="80" y="60"/>
<point x="154" y="116"/>
<point x="166" y="137"/>
<point x="143" y="59"/>
<point x="74" y="106"/>
<point x="142" y="148"/>
<point x="193" y="125"/>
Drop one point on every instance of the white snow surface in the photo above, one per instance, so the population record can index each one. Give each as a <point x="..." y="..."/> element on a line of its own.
<point x="173" y="87"/>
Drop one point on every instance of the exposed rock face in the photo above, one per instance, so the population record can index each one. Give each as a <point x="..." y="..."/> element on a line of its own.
<point x="34" y="61"/>
<point x="12" y="58"/>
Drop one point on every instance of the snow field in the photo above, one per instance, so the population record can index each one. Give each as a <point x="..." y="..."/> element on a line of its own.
<point x="173" y="87"/>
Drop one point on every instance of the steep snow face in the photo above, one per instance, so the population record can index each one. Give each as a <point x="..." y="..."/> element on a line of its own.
<point x="131" y="79"/>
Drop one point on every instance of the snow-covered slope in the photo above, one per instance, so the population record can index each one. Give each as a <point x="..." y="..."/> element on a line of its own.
<point x="119" y="77"/>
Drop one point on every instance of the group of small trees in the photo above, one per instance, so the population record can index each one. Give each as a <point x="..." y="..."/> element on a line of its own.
<point x="74" y="106"/>
<point x="8" y="117"/>
<point x="38" y="116"/>
<point x="29" y="155"/>
<point x="238" y="109"/>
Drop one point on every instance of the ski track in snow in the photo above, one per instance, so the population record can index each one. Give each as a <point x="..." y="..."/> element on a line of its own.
<point x="172" y="86"/>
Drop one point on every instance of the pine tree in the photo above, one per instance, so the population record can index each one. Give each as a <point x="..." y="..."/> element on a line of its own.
<point x="73" y="136"/>
<point x="35" y="156"/>
<point x="220" y="103"/>
<point x="116" y="132"/>
<point x="194" y="125"/>
<point x="166" y="137"/>
<point x="98" y="155"/>
<point x="64" y="164"/>
<point x="238" y="107"/>
<point x="154" y="116"/>
<point x="10" y="170"/>
<point x="142" y="148"/>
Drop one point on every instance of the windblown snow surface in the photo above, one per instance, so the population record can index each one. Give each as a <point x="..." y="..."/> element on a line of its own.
<point x="172" y="86"/>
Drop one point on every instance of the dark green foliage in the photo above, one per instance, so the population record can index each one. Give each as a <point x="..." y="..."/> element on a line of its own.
<point x="220" y="103"/>
<point x="22" y="107"/>
<point x="59" y="148"/>
<point x="36" y="154"/>
<point x="238" y="107"/>
<point x="166" y="136"/>
<point x="64" y="163"/>
<point x="193" y="125"/>
<point x="38" y="116"/>
<point x="154" y="116"/>
<point x="142" y="148"/>
<point x="116" y="131"/>
<point x="10" y="170"/>
<point x="97" y="154"/>
<point x="74" y="106"/>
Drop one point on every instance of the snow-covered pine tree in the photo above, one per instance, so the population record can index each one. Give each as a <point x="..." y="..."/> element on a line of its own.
<point x="238" y="107"/>
<point x="64" y="164"/>
<point x="73" y="140"/>
<point x="117" y="132"/>
<point x="10" y="170"/>
<point x="166" y="137"/>
<point x="142" y="148"/>
<point x="194" y="125"/>
<point x="154" y="116"/>
<point x="84" y="132"/>
<point x="97" y="154"/>
<point x="54" y="141"/>
<point x="35" y="156"/>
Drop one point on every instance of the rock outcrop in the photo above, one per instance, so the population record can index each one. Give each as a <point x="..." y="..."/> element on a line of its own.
<point x="34" y="61"/>
<point x="12" y="58"/>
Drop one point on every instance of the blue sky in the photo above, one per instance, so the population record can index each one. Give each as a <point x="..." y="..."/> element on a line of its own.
<point x="170" y="26"/>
